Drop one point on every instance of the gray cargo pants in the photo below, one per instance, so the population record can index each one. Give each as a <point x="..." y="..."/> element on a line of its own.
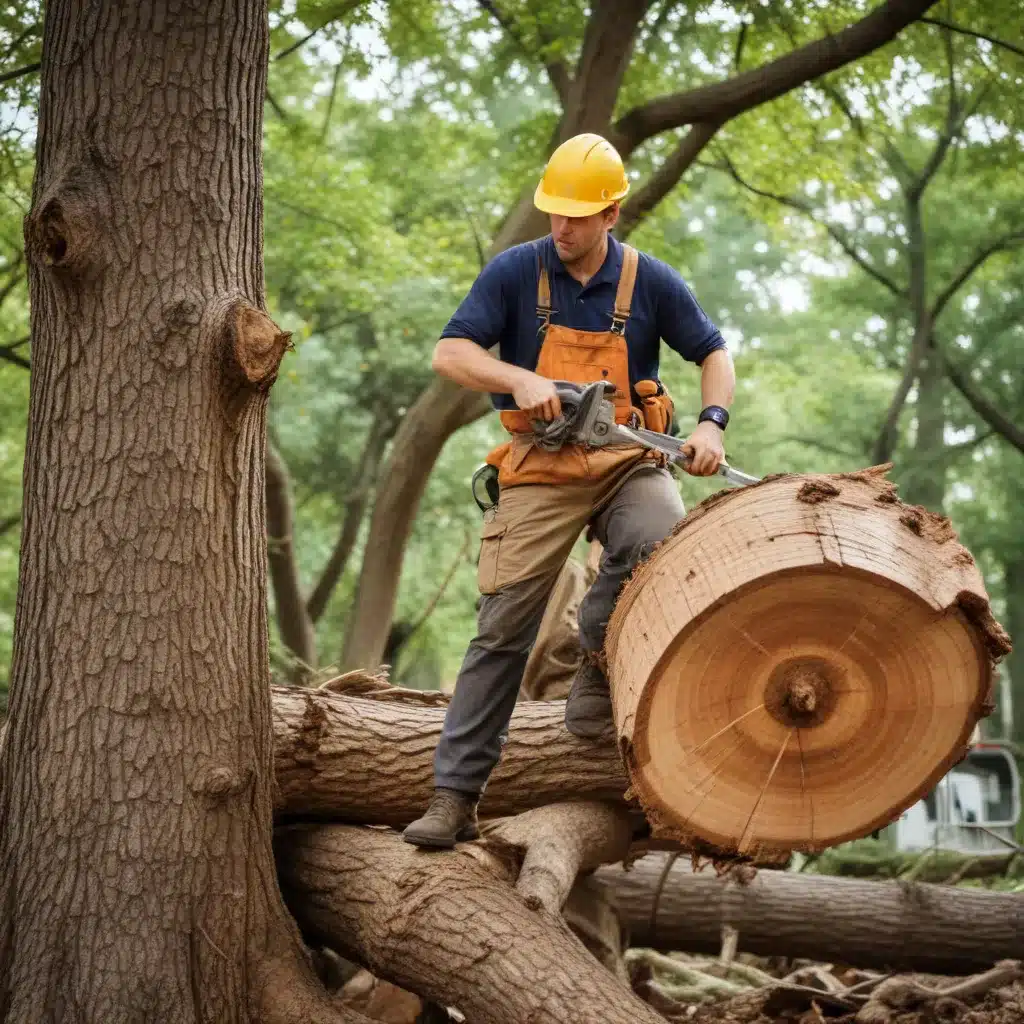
<point x="525" y="542"/>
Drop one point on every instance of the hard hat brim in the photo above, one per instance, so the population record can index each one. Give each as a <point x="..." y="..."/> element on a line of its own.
<point x="569" y="207"/>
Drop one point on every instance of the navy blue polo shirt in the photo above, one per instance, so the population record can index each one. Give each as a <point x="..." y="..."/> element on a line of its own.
<point x="501" y="309"/>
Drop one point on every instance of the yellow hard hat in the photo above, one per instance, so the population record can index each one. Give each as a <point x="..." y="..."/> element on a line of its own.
<point x="584" y="176"/>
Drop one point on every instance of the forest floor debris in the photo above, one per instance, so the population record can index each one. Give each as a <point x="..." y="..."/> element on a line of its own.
<point x="751" y="991"/>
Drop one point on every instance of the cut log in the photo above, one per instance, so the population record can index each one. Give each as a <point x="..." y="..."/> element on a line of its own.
<point x="798" y="663"/>
<point x="446" y="926"/>
<point x="370" y="759"/>
<point x="889" y="925"/>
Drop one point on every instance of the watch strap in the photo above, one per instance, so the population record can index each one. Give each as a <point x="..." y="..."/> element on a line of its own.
<point x="716" y="414"/>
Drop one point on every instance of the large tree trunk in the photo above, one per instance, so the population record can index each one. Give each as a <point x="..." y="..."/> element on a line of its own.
<point x="813" y="679"/>
<point x="889" y="925"/>
<point x="136" y="875"/>
<point x="448" y="927"/>
<point x="371" y="760"/>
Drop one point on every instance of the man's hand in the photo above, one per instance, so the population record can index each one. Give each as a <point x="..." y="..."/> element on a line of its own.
<point x="704" y="446"/>
<point x="537" y="397"/>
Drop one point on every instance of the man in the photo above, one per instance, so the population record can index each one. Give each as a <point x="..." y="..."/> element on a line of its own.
<point x="576" y="305"/>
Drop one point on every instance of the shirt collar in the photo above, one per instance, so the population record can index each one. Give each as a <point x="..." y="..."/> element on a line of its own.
<point x="609" y="271"/>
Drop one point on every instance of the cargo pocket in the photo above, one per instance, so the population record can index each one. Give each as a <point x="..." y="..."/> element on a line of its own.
<point x="490" y="548"/>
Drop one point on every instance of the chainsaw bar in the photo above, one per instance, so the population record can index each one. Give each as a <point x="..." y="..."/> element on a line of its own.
<point x="674" y="449"/>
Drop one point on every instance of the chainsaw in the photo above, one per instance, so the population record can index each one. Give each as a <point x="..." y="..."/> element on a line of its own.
<point x="588" y="418"/>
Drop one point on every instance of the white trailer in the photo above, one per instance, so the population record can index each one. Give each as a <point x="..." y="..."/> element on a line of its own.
<point x="974" y="808"/>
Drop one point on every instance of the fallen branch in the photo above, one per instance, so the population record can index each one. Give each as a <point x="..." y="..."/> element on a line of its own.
<point x="559" y="841"/>
<point x="890" y="925"/>
<point x="370" y="760"/>
<point x="446" y="926"/>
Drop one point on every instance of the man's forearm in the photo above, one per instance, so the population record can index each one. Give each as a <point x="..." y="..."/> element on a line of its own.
<point x="473" y="367"/>
<point x="717" y="379"/>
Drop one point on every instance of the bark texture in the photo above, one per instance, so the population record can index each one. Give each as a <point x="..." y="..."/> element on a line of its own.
<point x="137" y="881"/>
<point x="448" y="927"/>
<point x="888" y="925"/>
<point x="371" y="760"/>
<point x="557" y="842"/>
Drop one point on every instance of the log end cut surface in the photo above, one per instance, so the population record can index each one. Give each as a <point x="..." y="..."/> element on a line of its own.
<point x="798" y="664"/>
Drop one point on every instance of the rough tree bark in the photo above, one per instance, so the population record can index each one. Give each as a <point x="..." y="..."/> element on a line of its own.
<point x="589" y="105"/>
<point x="371" y="760"/>
<point x="897" y="925"/>
<point x="449" y="928"/>
<point x="137" y="880"/>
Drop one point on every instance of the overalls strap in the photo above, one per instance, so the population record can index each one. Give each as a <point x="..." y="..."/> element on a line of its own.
<point x="624" y="293"/>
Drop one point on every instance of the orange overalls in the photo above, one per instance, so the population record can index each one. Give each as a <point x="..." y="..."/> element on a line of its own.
<point x="587" y="477"/>
<point x="546" y="500"/>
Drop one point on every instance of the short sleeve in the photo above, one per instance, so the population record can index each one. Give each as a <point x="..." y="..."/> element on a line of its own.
<point x="683" y="325"/>
<point x="482" y="314"/>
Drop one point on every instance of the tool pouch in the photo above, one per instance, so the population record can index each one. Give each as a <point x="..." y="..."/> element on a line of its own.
<point x="658" y="407"/>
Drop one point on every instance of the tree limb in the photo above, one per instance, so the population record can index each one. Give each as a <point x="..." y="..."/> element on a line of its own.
<point x="607" y="50"/>
<point x="722" y="101"/>
<point x="1001" y="424"/>
<point x="295" y="625"/>
<point x="665" y="178"/>
<point x="9" y="76"/>
<point x="835" y="232"/>
<point x="14" y="279"/>
<point x="919" y="926"/>
<point x="276" y="107"/>
<point x="887" y="436"/>
<point x="557" y="70"/>
<point x="8" y="524"/>
<point x="557" y="842"/>
<point x="8" y="354"/>
<point x="369" y="757"/>
<point x="964" y="31"/>
<point x="337" y="16"/>
<point x="383" y="903"/>
<point x="18" y="40"/>
<point x="355" y="507"/>
<point x="1002" y="244"/>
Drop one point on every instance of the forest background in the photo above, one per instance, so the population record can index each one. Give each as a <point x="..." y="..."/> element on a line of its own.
<point x="858" y="240"/>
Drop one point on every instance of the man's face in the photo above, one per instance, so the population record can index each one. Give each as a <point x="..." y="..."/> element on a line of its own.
<point x="575" y="236"/>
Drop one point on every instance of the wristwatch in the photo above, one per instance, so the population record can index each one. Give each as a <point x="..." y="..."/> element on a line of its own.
<point x="717" y="415"/>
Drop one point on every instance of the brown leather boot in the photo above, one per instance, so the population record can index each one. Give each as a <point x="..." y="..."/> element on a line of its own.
<point x="588" y="708"/>
<point x="450" y="819"/>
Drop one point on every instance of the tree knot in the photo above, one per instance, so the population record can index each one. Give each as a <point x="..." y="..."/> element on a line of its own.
<point x="254" y="346"/>
<point x="221" y="781"/>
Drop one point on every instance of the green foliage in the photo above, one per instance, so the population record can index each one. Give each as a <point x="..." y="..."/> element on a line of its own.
<point x="397" y="136"/>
